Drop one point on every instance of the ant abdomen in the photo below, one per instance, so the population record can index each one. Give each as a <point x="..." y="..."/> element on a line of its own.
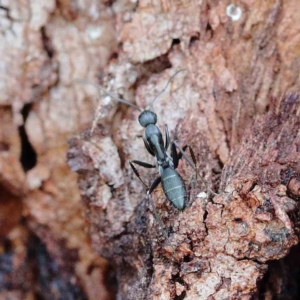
<point x="174" y="187"/>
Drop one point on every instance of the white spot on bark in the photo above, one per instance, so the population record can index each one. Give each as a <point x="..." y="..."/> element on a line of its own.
<point x="233" y="12"/>
<point x="202" y="195"/>
<point x="95" y="32"/>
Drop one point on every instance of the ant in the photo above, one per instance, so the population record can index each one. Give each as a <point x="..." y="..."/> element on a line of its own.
<point x="171" y="181"/>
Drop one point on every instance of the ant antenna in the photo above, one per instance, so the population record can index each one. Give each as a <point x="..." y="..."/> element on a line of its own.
<point x="151" y="105"/>
<point x="108" y="94"/>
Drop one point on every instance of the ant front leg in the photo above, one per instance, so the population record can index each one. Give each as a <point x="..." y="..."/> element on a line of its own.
<point x="167" y="137"/>
<point x="148" y="146"/>
<point x="191" y="163"/>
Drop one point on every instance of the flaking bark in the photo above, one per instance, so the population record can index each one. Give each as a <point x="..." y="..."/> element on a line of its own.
<point x="246" y="145"/>
<point x="219" y="246"/>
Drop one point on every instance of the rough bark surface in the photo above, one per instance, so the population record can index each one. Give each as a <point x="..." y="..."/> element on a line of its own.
<point x="246" y="144"/>
<point x="227" y="104"/>
<point x="44" y="245"/>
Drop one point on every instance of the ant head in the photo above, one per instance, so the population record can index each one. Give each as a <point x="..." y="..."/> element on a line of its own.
<point x="147" y="117"/>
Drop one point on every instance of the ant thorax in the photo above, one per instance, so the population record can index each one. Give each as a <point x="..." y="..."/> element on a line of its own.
<point x="166" y="163"/>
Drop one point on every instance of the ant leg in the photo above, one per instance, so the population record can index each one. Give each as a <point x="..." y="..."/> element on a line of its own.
<point x="192" y="154"/>
<point x="148" y="146"/>
<point x="167" y="137"/>
<point x="142" y="164"/>
<point x="153" y="186"/>
<point x="192" y="164"/>
<point x="175" y="156"/>
<point x="180" y="155"/>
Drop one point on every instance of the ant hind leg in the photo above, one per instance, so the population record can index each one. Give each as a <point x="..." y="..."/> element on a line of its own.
<point x="192" y="163"/>
<point x="142" y="164"/>
<point x="153" y="186"/>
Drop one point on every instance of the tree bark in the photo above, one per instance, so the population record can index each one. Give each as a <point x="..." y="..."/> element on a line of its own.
<point x="235" y="103"/>
<point x="228" y="106"/>
<point x="45" y="251"/>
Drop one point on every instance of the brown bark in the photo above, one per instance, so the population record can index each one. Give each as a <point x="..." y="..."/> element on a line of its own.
<point x="44" y="245"/>
<point x="218" y="247"/>
<point x="227" y="105"/>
